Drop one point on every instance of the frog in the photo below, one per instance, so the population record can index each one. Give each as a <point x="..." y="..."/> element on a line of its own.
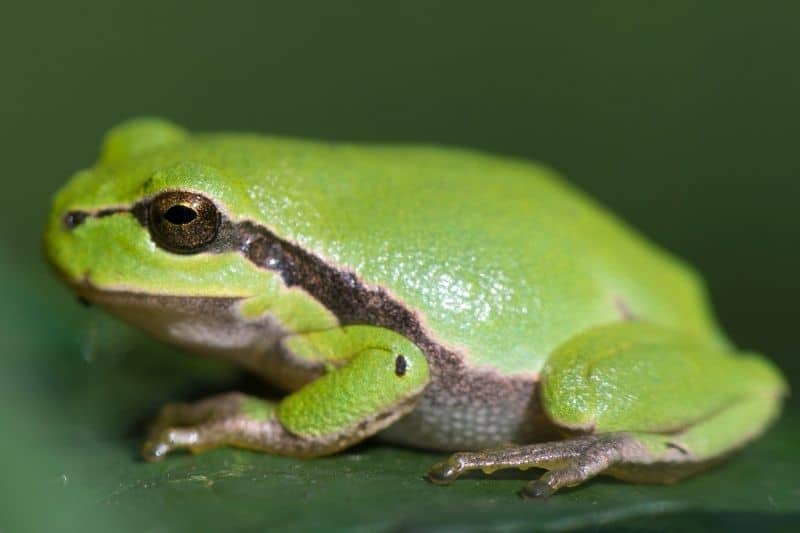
<point x="432" y="297"/>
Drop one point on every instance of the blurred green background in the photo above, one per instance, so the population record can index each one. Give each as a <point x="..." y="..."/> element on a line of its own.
<point x="683" y="117"/>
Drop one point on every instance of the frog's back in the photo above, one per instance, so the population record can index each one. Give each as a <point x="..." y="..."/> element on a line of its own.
<point x="501" y="259"/>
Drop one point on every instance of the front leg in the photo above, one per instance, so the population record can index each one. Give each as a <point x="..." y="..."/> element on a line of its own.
<point x="373" y="388"/>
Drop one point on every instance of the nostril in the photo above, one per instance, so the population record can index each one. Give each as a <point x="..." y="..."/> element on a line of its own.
<point x="73" y="219"/>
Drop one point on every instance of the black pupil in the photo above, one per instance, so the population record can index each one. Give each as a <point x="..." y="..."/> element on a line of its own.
<point x="180" y="214"/>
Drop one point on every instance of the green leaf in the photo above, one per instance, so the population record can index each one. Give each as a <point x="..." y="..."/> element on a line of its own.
<point x="76" y="389"/>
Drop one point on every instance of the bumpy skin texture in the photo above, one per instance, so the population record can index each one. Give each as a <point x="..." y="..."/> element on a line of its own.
<point x="415" y="291"/>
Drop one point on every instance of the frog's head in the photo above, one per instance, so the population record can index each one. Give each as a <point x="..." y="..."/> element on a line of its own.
<point x="155" y="233"/>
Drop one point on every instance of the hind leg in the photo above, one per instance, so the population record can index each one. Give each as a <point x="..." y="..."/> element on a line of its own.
<point x="651" y="405"/>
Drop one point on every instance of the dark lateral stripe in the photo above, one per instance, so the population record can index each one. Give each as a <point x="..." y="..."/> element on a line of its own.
<point x="341" y="291"/>
<point x="353" y="302"/>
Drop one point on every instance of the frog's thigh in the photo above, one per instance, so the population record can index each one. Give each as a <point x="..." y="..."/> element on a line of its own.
<point x="372" y="389"/>
<point x="651" y="405"/>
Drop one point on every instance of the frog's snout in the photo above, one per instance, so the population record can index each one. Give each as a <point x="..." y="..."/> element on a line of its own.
<point x="64" y="250"/>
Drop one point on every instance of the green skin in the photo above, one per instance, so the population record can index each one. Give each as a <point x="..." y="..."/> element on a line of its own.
<point x="434" y="297"/>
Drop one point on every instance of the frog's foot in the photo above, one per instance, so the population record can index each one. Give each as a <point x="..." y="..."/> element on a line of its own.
<point x="194" y="425"/>
<point x="348" y="404"/>
<point x="240" y="430"/>
<point x="570" y="462"/>
<point x="640" y="457"/>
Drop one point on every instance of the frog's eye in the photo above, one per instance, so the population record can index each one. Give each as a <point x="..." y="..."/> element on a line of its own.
<point x="183" y="222"/>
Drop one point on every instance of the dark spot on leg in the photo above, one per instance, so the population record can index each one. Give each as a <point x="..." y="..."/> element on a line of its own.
<point x="400" y="366"/>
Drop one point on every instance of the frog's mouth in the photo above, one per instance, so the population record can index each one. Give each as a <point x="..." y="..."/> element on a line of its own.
<point x="189" y="321"/>
<point x="208" y="326"/>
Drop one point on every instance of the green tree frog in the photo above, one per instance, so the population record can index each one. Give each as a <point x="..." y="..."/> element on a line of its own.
<point x="433" y="297"/>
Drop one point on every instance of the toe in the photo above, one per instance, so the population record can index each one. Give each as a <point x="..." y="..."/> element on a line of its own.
<point x="537" y="489"/>
<point x="444" y="472"/>
<point x="154" y="451"/>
